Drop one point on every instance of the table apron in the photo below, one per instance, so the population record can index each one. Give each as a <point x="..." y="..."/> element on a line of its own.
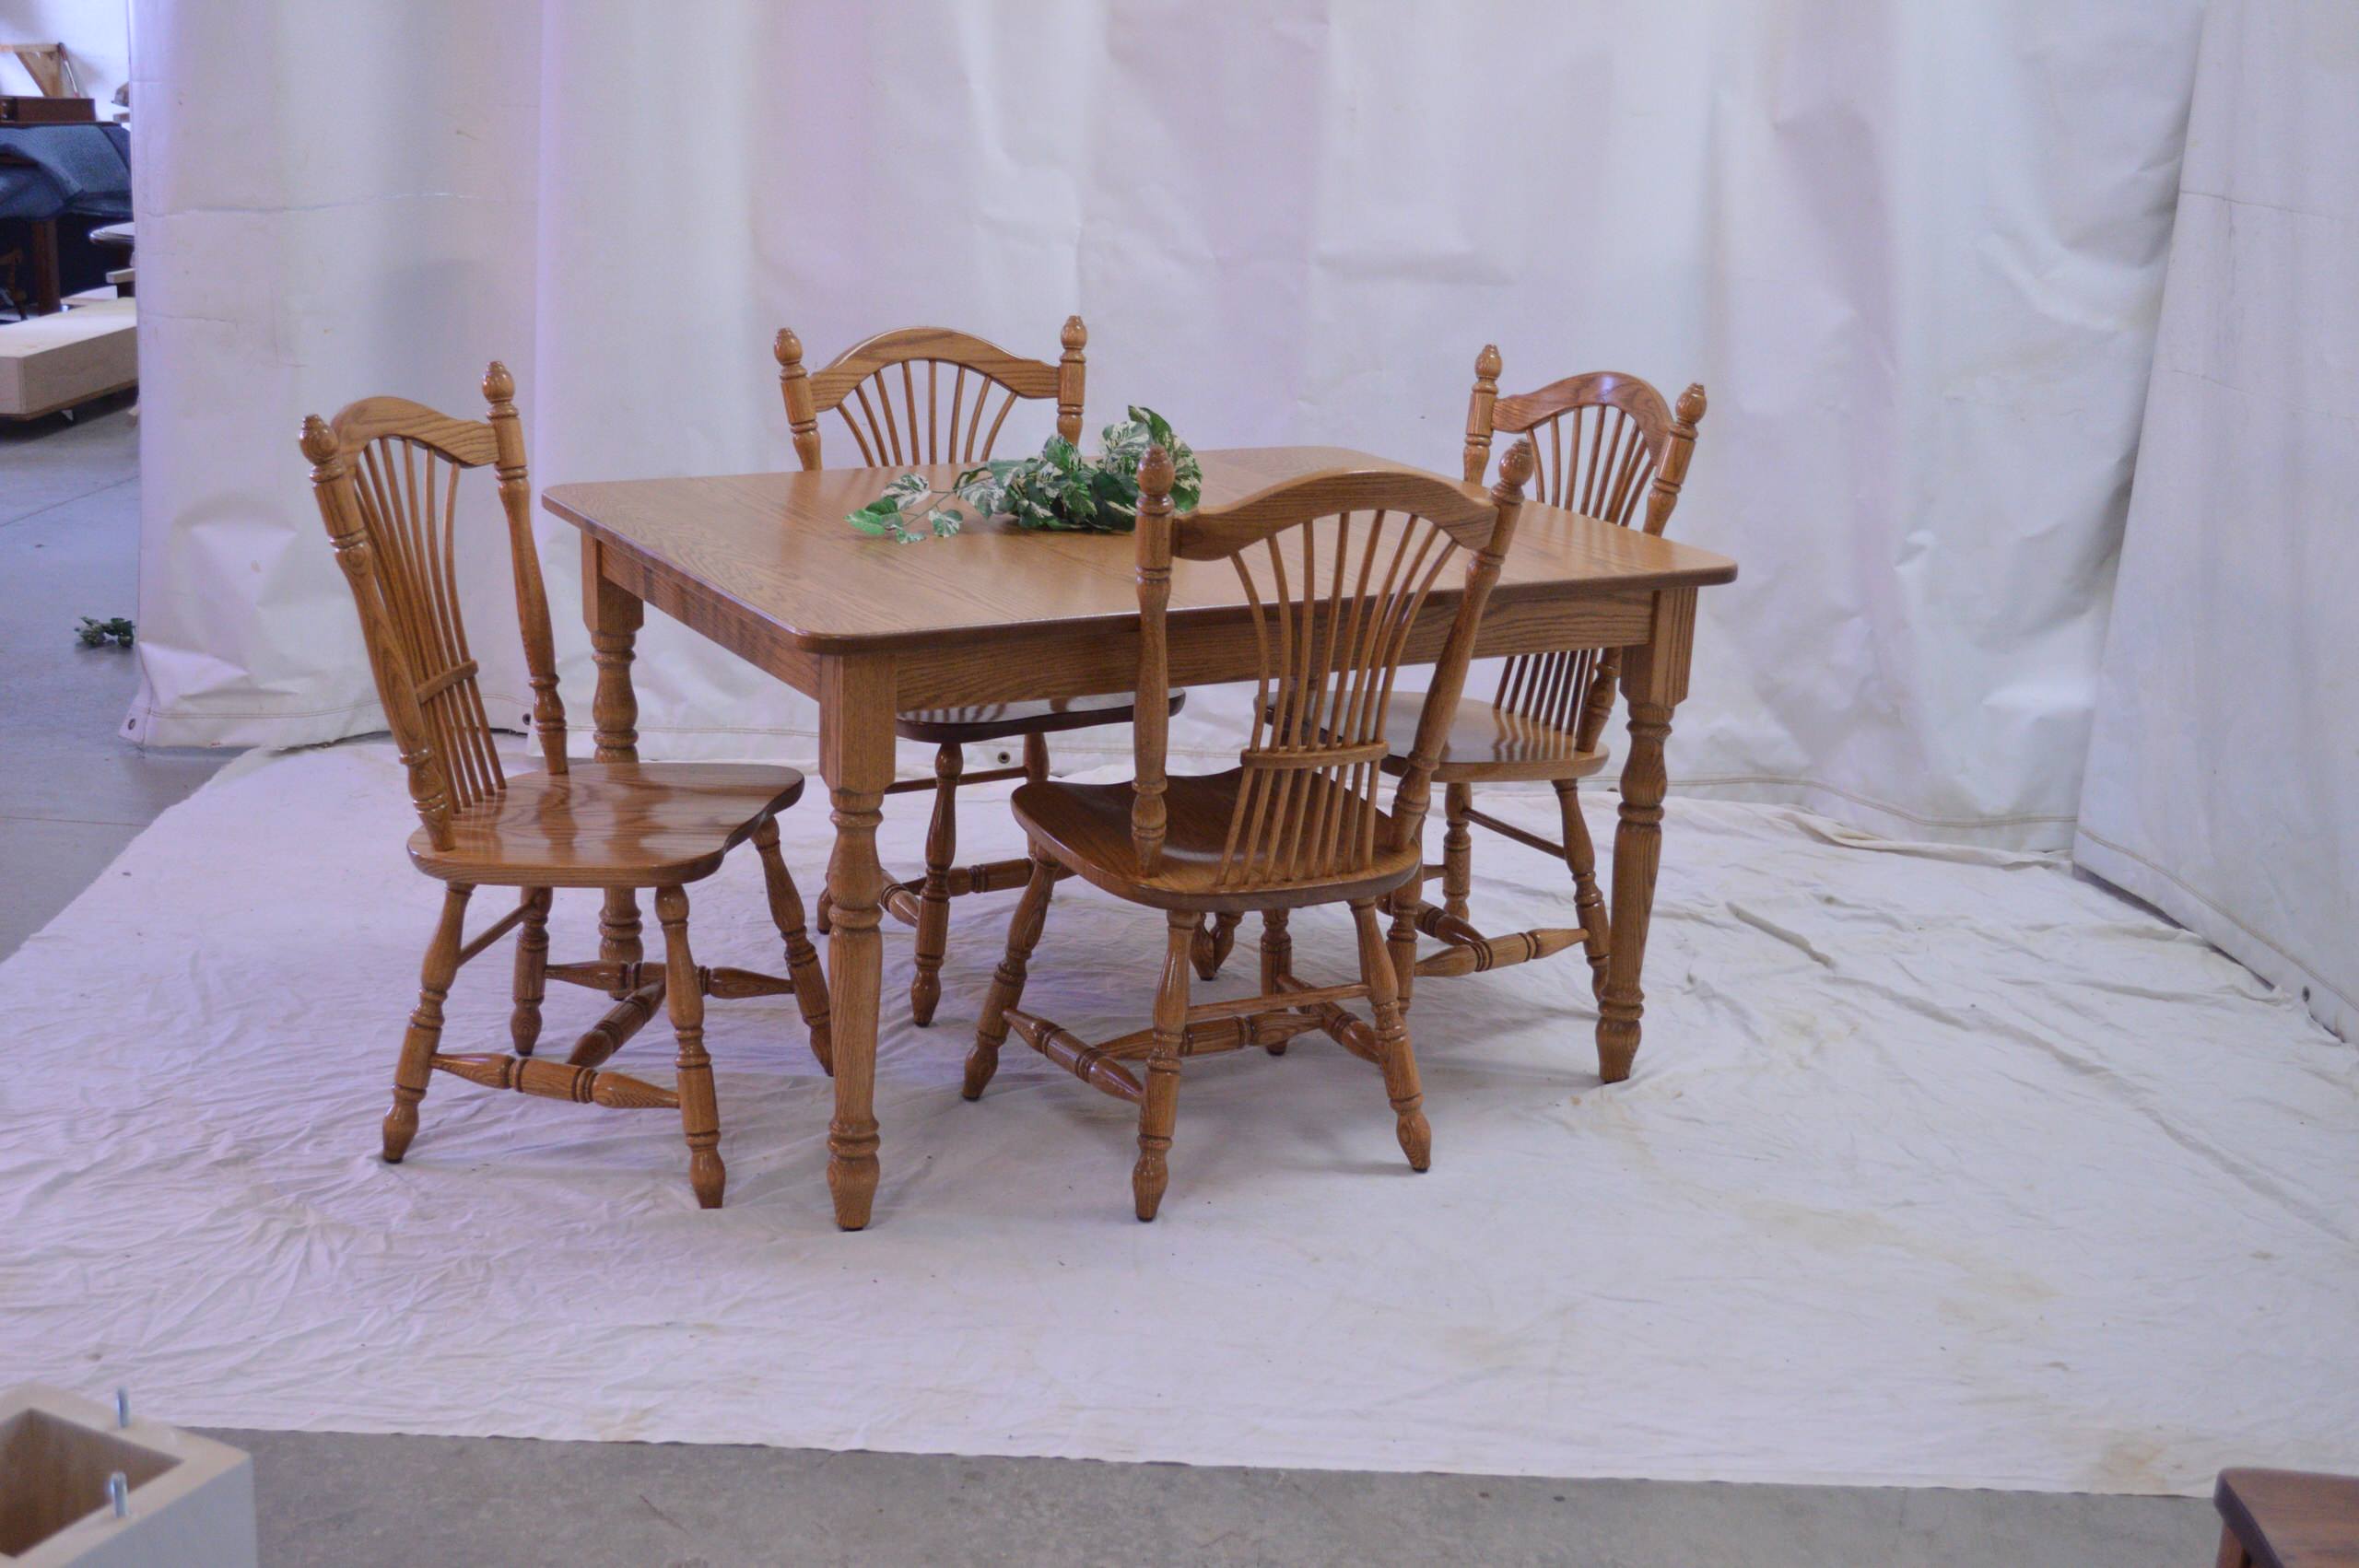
<point x="1207" y="648"/>
<point x="719" y="619"/>
<point x="1008" y="664"/>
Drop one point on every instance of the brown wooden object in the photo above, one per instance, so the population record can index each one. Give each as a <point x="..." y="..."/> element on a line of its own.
<point x="1604" y="442"/>
<point x="929" y="395"/>
<point x="1335" y="569"/>
<point x="2287" y="1519"/>
<point x="763" y="565"/>
<point x="385" y="473"/>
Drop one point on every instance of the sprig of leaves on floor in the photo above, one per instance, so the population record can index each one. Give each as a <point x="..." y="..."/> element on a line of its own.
<point x="1059" y="490"/>
<point x="96" y="633"/>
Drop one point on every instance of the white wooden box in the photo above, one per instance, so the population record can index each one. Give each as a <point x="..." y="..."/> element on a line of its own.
<point x="192" y="1500"/>
<point x="57" y="361"/>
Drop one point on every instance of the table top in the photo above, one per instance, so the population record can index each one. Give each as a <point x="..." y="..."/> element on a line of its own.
<point x="778" y="546"/>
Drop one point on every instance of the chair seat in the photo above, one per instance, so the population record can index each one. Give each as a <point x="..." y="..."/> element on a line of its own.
<point x="609" y="825"/>
<point x="1088" y="827"/>
<point x="998" y="720"/>
<point x="1486" y="742"/>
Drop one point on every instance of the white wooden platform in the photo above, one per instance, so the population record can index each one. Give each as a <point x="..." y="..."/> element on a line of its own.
<point x="57" y="361"/>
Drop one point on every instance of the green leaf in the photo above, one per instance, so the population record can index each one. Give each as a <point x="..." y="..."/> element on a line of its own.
<point x="1159" y="428"/>
<point x="1060" y="489"/>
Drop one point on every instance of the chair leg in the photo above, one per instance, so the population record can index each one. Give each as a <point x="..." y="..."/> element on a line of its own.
<point x="1277" y="961"/>
<point x="1401" y="945"/>
<point x="1457" y="850"/>
<point x="416" y="1065"/>
<point x="532" y="970"/>
<point x="1159" y="1108"/>
<point x="1395" y="1055"/>
<point x="1213" y="940"/>
<point x="1007" y="984"/>
<point x="802" y="959"/>
<point x="618" y="933"/>
<point x="933" y="896"/>
<point x="699" y="1115"/>
<point x="1588" y="903"/>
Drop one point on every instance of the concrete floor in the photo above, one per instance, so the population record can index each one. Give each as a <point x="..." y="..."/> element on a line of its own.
<point x="72" y="794"/>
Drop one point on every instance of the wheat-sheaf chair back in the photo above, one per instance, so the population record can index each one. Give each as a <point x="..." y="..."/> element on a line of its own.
<point x="385" y="473"/>
<point x="925" y="394"/>
<point x="1600" y="441"/>
<point x="1335" y="567"/>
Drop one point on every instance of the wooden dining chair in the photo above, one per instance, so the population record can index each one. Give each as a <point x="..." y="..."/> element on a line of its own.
<point x="1336" y="567"/>
<point x="1600" y="442"/>
<point x="902" y="384"/>
<point x="385" y="472"/>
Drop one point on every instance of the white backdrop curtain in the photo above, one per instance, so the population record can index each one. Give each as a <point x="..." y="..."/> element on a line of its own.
<point x="1915" y="251"/>
<point x="2224" y="777"/>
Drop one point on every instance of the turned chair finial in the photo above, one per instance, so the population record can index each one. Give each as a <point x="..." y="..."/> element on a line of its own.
<point x="499" y="386"/>
<point x="1074" y="337"/>
<point x="787" y="347"/>
<point x="1155" y="474"/>
<point x="319" y="443"/>
<point x="1487" y="363"/>
<point x="1514" y="473"/>
<point x="1691" y="404"/>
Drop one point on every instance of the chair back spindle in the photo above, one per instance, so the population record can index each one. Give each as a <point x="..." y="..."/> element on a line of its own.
<point x="1336" y="568"/>
<point x="925" y="394"/>
<point x="385" y="475"/>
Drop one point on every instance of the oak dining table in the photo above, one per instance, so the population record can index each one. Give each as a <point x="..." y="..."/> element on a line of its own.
<point x="765" y="566"/>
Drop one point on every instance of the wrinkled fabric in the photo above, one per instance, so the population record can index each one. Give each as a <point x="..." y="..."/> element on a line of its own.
<point x="2224" y="774"/>
<point x="1914" y="252"/>
<point x="1937" y="1168"/>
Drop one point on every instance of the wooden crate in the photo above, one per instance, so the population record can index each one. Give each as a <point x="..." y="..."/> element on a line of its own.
<point x="190" y="1502"/>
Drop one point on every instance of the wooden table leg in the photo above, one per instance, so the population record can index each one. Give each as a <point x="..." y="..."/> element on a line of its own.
<point x="1654" y="680"/>
<point x="48" y="297"/>
<point x="856" y="757"/>
<point x="614" y="616"/>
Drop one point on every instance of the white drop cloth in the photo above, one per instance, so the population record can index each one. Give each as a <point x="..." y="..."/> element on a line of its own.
<point x="2222" y="781"/>
<point x="1914" y="251"/>
<point x="1939" y="1167"/>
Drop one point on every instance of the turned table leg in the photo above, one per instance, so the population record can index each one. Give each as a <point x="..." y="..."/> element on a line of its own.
<point x="1654" y="680"/>
<point x="856" y="757"/>
<point x="614" y="616"/>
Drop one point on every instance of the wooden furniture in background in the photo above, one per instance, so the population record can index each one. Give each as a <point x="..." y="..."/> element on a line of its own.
<point x="2287" y="1519"/>
<point x="1602" y="441"/>
<point x="19" y="110"/>
<point x="904" y="383"/>
<point x="385" y="473"/>
<point x="764" y="565"/>
<point x="50" y="68"/>
<point x="1334" y="568"/>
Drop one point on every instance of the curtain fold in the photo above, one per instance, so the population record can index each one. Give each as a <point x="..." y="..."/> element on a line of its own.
<point x="1915" y="252"/>
<point x="2224" y="773"/>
